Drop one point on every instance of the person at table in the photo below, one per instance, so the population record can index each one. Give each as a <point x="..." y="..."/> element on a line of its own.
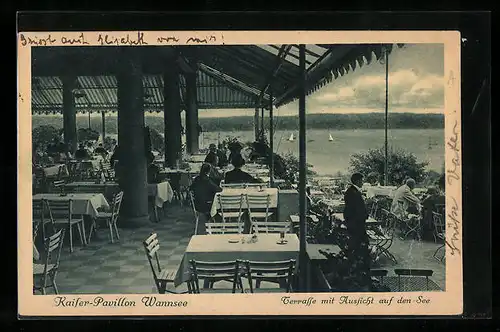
<point x="404" y="201"/>
<point x="237" y="175"/>
<point x="115" y="156"/>
<point x="355" y="215"/>
<point x="234" y="150"/>
<point x="222" y="156"/>
<point x="429" y="205"/>
<point x="214" y="175"/>
<point x="212" y="157"/>
<point x="81" y="152"/>
<point x="153" y="169"/>
<point x="204" y="190"/>
<point x="100" y="150"/>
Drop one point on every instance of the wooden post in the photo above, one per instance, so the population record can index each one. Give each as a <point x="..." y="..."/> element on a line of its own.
<point x="386" y="163"/>
<point x="302" y="170"/>
<point x="271" y="139"/>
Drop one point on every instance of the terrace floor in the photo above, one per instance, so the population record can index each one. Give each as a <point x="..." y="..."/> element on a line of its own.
<point x="122" y="267"/>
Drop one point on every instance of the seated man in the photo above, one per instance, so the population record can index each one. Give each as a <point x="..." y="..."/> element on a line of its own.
<point x="237" y="175"/>
<point x="214" y="174"/>
<point x="204" y="191"/>
<point x="100" y="150"/>
<point x="153" y="170"/>
<point x="81" y="153"/>
<point x="405" y="200"/>
<point x="211" y="157"/>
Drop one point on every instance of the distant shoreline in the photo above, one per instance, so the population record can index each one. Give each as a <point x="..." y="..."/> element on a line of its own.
<point x="283" y="123"/>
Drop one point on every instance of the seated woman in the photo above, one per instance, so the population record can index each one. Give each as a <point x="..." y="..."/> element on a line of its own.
<point x="214" y="174"/>
<point x="237" y="175"/>
<point x="204" y="190"/>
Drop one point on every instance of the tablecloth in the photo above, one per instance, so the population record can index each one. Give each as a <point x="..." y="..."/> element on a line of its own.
<point x="54" y="170"/>
<point x="273" y="192"/>
<point x="83" y="203"/>
<point x="162" y="191"/>
<point x="216" y="248"/>
<point x="379" y="191"/>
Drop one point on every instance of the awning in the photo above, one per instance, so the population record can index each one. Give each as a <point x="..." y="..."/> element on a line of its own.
<point x="230" y="76"/>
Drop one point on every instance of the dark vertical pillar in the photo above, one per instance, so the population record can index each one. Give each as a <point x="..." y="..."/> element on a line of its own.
<point x="192" y="133"/>
<point x="262" y="122"/>
<point x="132" y="169"/>
<point x="386" y="163"/>
<point x="302" y="169"/>
<point x="271" y="139"/>
<point x="256" y="123"/>
<point x="103" y="117"/>
<point x="172" y="115"/>
<point x="69" y="112"/>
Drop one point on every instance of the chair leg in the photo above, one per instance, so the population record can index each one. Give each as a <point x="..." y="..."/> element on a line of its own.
<point x="116" y="230"/>
<point x="70" y="238"/>
<point x="56" y="290"/>
<point x="83" y="231"/>
<point x="110" y="231"/>
<point x="80" y="235"/>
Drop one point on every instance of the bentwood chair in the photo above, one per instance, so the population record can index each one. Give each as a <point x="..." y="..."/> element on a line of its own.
<point x="278" y="272"/>
<point x="439" y="234"/>
<point x="44" y="275"/>
<point x="382" y="239"/>
<point x="41" y="218"/>
<point x="162" y="277"/>
<point x="110" y="218"/>
<point x="61" y="216"/>
<point x="195" y="213"/>
<point x="212" y="272"/>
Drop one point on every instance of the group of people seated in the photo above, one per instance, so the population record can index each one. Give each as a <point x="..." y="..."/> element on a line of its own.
<point x="208" y="183"/>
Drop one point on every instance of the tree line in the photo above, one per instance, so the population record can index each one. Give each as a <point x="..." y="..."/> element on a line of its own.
<point x="245" y="123"/>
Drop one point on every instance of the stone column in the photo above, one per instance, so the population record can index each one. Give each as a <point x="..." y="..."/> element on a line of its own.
<point x="69" y="112"/>
<point x="192" y="133"/>
<point x="132" y="168"/>
<point x="172" y="115"/>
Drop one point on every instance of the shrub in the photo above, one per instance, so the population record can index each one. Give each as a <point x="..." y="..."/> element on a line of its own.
<point x="87" y="134"/>
<point x="401" y="164"/>
<point x="43" y="135"/>
<point x="157" y="141"/>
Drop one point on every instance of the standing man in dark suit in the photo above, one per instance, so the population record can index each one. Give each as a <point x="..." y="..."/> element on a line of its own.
<point x="355" y="215"/>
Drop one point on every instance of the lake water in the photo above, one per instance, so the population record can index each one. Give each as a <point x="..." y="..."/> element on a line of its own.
<point x="328" y="158"/>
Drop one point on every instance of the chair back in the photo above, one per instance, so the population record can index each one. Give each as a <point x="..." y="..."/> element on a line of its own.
<point x="41" y="216"/>
<point x="61" y="172"/>
<point x="151" y="246"/>
<point x="276" y="272"/>
<point x="53" y="248"/>
<point x="256" y="185"/>
<point x="58" y="186"/>
<point x="117" y="203"/>
<point x="439" y="226"/>
<point x="224" y="227"/>
<point x="230" y="203"/>
<point x="270" y="227"/>
<point x="60" y="209"/>
<point x="213" y="271"/>
<point x="233" y="185"/>
<point x="258" y="202"/>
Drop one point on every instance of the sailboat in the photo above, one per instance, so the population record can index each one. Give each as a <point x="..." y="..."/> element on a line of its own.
<point x="330" y="138"/>
<point x="290" y="139"/>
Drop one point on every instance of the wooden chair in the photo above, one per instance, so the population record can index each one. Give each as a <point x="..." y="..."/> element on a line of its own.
<point x="162" y="277"/>
<point x="279" y="272"/>
<point x="41" y="217"/>
<point x="223" y="227"/>
<point x="439" y="234"/>
<point x="47" y="271"/>
<point x="109" y="172"/>
<point x="110" y="218"/>
<point x="258" y="218"/>
<point x="58" y="186"/>
<point x="382" y="239"/>
<point x="61" y="216"/>
<point x="182" y="193"/>
<point x="212" y="272"/>
<point x="231" y="208"/>
<point x="196" y="213"/>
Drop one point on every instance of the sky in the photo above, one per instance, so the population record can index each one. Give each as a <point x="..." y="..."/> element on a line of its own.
<point x="415" y="85"/>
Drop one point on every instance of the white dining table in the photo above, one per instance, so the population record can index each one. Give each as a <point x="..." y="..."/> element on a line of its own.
<point x="162" y="192"/>
<point x="272" y="192"/>
<point x="220" y="247"/>
<point x="83" y="203"/>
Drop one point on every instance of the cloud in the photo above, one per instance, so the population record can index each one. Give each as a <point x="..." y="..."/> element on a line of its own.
<point x="407" y="88"/>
